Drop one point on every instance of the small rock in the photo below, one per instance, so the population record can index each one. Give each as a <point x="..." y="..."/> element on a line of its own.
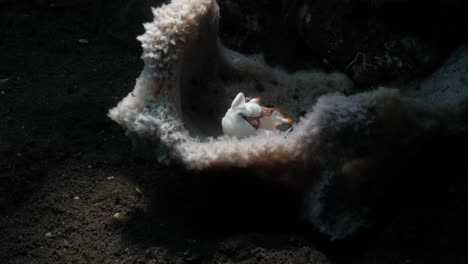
<point x="66" y="244"/>
<point x="117" y="215"/>
<point x="193" y="258"/>
<point x="3" y="82"/>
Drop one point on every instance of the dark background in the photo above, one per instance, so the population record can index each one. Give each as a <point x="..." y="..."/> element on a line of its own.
<point x="65" y="168"/>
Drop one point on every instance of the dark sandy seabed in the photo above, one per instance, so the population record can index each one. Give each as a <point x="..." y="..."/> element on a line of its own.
<point x="70" y="192"/>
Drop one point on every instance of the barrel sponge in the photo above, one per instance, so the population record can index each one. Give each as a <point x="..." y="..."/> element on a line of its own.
<point x="189" y="79"/>
<point x="187" y="68"/>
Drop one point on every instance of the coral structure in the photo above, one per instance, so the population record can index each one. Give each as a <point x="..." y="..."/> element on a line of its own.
<point x="189" y="80"/>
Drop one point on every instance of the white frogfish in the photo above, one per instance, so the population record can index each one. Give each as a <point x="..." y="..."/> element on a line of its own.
<point x="247" y="117"/>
